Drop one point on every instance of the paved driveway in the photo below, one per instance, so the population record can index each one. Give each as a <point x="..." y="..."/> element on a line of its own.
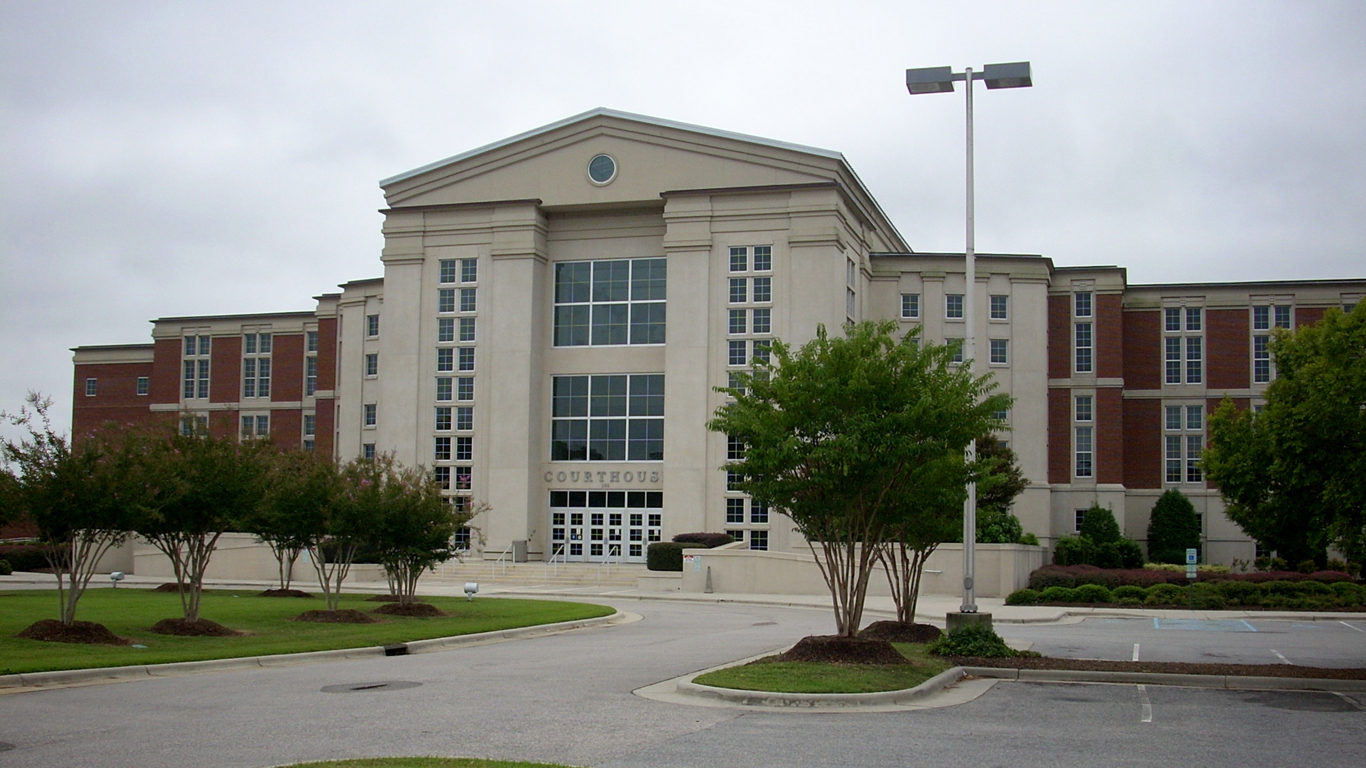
<point x="567" y="698"/>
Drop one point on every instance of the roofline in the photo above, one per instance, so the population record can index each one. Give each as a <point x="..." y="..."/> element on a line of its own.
<point x="246" y="316"/>
<point x="605" y="112"/>
<point x="362" y="281"/>
<point x="929" y="254"/>
<point x="1344" y="281"/>
<point x="91" y="347"/>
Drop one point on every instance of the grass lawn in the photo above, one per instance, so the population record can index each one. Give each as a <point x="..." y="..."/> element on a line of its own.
<point x="424" y="763"/>
<point x="129" y="613"/>
<point x="769" y="674"/>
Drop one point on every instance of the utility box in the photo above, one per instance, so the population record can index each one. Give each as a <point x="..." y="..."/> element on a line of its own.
<point x="519" y="551"/>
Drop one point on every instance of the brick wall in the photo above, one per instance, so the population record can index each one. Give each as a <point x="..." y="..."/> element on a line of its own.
<point x="1308" y="315"/>
<point x="286" y="428"/>
<point x="225" y="370"/>
<point x="1143" y="349"/>
<point x="166" y="371"/>
<point x="1060" y="337"/>
<point x="116" y="397"/>
<point x="1109" y="335"/>
<point x="1227" y="344"/>
<point x="322" y="440"/>
<point x="1143" y="443"/>
<point x="327" y="359"/>
<point x="1109" y="442"/>
<point x="1060" y="436"/>
<point x="287" y="368"/>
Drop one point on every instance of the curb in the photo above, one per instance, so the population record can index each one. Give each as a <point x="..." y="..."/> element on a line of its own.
<point x="1227" y="682"/>
<point x="944" y="679"/>
<point x="147" y="671"/>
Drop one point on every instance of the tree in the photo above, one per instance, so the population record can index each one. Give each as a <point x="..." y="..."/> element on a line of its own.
<point x="1294" y="476"/>
<point x="838" y="436"/>
<point x="413" y="528"/>
<point x="936" y="517"/>
<point x="213" y="485"/>
<point x="79" y="495"/>
<point x="1098" y="525"/>
<point x="301" y="488"/>
<point x="345" y="523"/>
<point x="1172" y="528"/>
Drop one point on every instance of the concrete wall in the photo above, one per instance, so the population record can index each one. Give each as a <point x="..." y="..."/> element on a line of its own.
<point x="240" y="556"/>
<point x="1001" y="569"/>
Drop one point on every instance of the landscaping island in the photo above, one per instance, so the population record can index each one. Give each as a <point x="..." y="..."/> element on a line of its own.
<point x="262" y="626"/>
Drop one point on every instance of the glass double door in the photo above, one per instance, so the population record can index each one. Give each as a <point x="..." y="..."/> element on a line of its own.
<point x="593" y="526"/>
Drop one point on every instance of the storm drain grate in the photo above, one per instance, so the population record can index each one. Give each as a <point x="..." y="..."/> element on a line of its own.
<point x="388" y="685"/>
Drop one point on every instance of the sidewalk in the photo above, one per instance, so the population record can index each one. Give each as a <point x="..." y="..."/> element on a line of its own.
<point x="930" y="609"/>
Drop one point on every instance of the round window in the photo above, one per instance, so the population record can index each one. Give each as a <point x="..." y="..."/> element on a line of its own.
<point x="602" y="169"/>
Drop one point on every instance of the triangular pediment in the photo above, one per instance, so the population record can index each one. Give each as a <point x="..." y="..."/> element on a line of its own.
<point x="651" y="156"/>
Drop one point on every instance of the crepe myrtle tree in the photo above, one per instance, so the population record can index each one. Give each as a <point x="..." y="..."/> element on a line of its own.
<point x="932" y="515"/>
<point x="414" y="528"/>
<point x="214" y="484"/>
<point x="301" y="488"/>
<point x="845" y="434"/>
<point x="344" y="526"/>
<point x="81" y="494"/>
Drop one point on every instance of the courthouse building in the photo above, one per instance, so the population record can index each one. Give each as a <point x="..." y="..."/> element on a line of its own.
<point x="557" y="310"/>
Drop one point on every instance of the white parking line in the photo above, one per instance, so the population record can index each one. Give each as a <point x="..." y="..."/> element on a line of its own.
<point x="1349" y="626"/>
<point x="1249" y="626"/>
<point x="1147" y="705"/>
<point x="1350" y="700"/>
<point x="1135" y="651"/>
<point x="1279" y="656"/>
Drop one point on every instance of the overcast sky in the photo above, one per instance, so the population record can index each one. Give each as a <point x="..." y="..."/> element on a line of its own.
<point x="163" y="159"/>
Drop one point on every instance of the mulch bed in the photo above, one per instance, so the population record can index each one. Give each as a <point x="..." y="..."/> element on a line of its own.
<point x="901" y="632"/>
<point x="388" y="599"/>
<point x="197" y="628"/>
<point x="344" y="616"/>
<point x="284" y="593"/>
<point x="1170" y="667"/>
<point x="169" y="586"/>
<point x="412" y="609"/>
<point x="86" y="632"/>
<point x="834" y="649"/>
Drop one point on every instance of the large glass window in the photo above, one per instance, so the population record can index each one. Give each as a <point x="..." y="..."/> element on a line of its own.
<point x="607" y="418"/>
<point x="1083" y="347"/>
<point x="610" y="302"/>
<point x="910" y="306"/>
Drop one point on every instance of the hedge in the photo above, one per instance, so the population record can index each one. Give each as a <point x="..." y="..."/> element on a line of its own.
<point x="667" y="555"/>
<point x="708" y="540"/>
<point x="1078" y="575"/>
<point x="24" y="557"/>
<point x="1209" y="595"/>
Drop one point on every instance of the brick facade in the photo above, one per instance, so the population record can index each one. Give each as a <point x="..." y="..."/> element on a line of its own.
<point x="1143" y="349"/>
<point x="1229" y="341"/>
<point x="1143" y="443"/>
<point x="1059" y="336"/>
<point x="1109" y="335"/>
<point x="1110" y="434"/>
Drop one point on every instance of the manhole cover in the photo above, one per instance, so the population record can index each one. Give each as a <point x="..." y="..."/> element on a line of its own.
<point x="388" y="685"/>
<point x="765" y="623"/>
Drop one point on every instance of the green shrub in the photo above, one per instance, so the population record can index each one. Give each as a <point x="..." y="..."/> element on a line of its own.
<point x="1206" y="597"/>
<point x="1047" y="576"/>
<point x="1100" y="527"/>
<point x="1128" y="592"/>
<point x="708" y="540"/>
<point x="1073" y="550"/>
<point x="1240" y="592"/>
<point x="1058" y="595"/>
<point x="5" y="568"/>
<point x="1105" y="578"/>
<point x="1307" y="566"/>
<point x="972" y="640"/>
<point x="1350" y="594"/>
<point x="1282" y="589"/>
<point x="25" y="557"/>
<point x="1023" y="597"/>
<point x="666" y="555"/>
<point x="1164" y="594"/>
<point x="1172" y="529"/>
<point x="1092" y="593"/>
<point x="998" y="527"/>
<point x="1030" y="539"/>
<point x="1119" y="554"/>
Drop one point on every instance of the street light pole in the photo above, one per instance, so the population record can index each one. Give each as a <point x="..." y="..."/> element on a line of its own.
<point x="941" y="80"/>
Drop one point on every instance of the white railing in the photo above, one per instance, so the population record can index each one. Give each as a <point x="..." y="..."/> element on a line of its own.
<point x="607" y="559"/>
<point x="553" y="564"/>
<point x="501" y="563"/>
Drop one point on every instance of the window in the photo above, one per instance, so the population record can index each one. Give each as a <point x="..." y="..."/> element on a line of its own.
<point x="1083" y="408"/>
<point x="910" y="306"/>
<point x="1261" y="318"/>
<point x="442" y="449"/>
<point x="735" y="511"/>
<point x="739" y="259"/>
<point x="1082" y="447"/>
<point x="462" y="478"/>
<point x="1193" y="354"/>
<point x="738" y="290"/>
<point x="763" y="258"/>
<point x="443" y="389"/>
<point x="310" y="425"/>
<point x="957" y="346"/>
<point x="91" y="387"/>
<point x="1001" y="416"/>
<point x="761" y="350"/>
<point x="469" y="270"/>
<point x="735" y="448"/>
<point x="1083" y="347"/>
<point x="446" y="271"/>
<point x="310" y="341"/>
<point x="310" y="375"/>
<point x="733" y="480"/>
<point x="144" y="385"/>
<point x="445" y="329"/>
<point x="1261" y="359"/>
<point x="610" y="302"/>
<point x="372" y="364"/>
<point x="464" y="449"/>
<point x="196" y="367"/>
<point x="607" y="418"/>
<point x="445" y="359"/>
<point x="758" y="540"/>
<point x="1193" y="318"/>
<point x="737" y="321"/>
<point x="1078" y="518"/>
<point x="194" y="425"/>
<point x="849" y="303"/>
<point x="256" y="365"/>
<point x="372" y="325"/>
<point x="464" y="389"/>
<point x="467" y="329"/>
<point x="998" y="307"/>
<point x="735" y="382"/>
<point x="466" y="359"/>
<point x="1081" y="304"/>
<point x="758" y="513"/>
<point x="464" y="418"/>
<point x="445" y="300"/>
<point x="255" y="426"/>
<point x="1282" y="316"/>
<point x="763" y="290"/>
<point x="1173" y="359"/>
<point x="1183" y="451"/>
<point x="443" y="418"/>
<point x="998" y="351"/>
<point x="1185" y="344"/>
<point x="370" y="409"/>
<point x="762" y="323"/>
<point x="736" y="353"/>
<point x="953" y="306"/>
<point x="442" y="476"/>
<point x="467" y="299"/>
<point x="1173" y="458"/>
<point x="849" y="272"/>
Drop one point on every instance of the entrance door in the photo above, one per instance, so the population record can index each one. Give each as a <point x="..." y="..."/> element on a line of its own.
<point x="592" y="526"/>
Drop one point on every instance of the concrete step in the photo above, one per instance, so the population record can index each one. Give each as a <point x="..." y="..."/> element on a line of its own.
<point x="537" y="574"/>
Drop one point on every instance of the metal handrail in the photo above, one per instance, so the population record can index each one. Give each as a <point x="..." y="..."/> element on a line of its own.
<point x="607" y="558"/>
<point x="554" y="561"/>
<point x="500" y="562"/>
